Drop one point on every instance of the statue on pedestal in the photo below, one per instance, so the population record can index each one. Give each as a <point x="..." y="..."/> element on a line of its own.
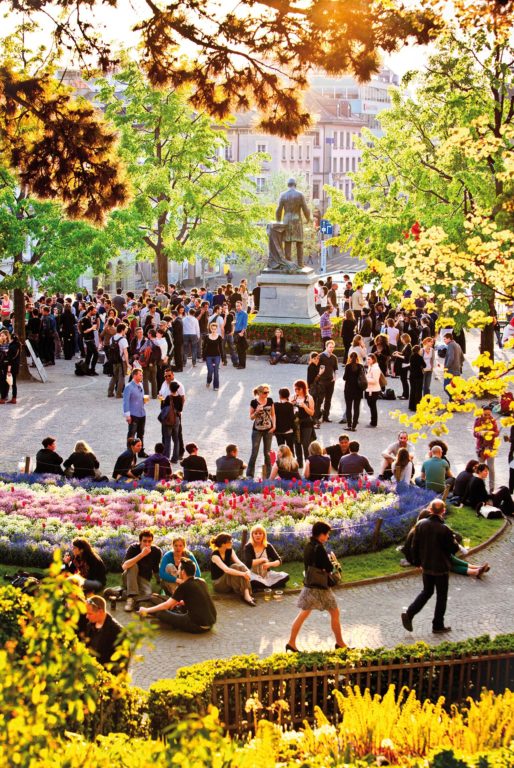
<point x="276" y="259"/>
<point x="292" y="204"/>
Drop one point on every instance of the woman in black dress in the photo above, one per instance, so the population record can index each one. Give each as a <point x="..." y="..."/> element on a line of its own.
<point x="403" y="357"/>
<point x="417" y="366"/>
<point x="284" y="419"/>
<point x="353" y="392"/>
<point x="317" y="598"/>
<point x="304" y="410"/>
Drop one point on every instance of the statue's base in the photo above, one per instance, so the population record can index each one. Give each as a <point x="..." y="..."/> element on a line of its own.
<point x="287" y="298"/>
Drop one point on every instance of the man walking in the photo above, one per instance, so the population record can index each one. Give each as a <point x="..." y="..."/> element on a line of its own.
<point x="453" y="362"/>
<point x="432" y="546"/>
<point x="134" y="408"/>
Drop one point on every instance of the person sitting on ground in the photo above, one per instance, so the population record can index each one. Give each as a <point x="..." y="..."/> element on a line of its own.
<point x="48" y="460"/>
<point x="434" y="471"/>
<point x="286" y="466"/>
<point x="83" y="461"/>
<point x="317" y="466"/>
<point x="461" y="485"/>
<point x="229" y="467"/>
<point x="126" y="463"/>
<point x="86" y="561"/>
<point x="353" y="464"/>
<point x="403" y="468"/>
<point x="389" y="455"/>
<point x="193" y="594"/>
<point x="102" y="634"/>
<point x="278" y="347"/>
<point x="477" y="493"/>
<point x="458" y="565"/>
<point x="141" y="561"/>
<point x="170" y="565"/>
<point x="261" y="557"/>
<point x="341" y="448"/>
<point x="158" y="459"/>
<point x="194" y="466"/>
<point x="228" y="573"/>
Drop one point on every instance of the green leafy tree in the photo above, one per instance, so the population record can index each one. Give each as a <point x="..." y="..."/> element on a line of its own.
<point x="189" y="201"/>
<point x="435" y="184"/>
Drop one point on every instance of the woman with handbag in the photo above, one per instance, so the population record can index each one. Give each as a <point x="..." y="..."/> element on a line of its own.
<point x="304" y="420"/>
<point x="316" y="594"/>
<point x="372" y="392"/>
<point x="355" y="384"/>
<point x="262" y="414"/>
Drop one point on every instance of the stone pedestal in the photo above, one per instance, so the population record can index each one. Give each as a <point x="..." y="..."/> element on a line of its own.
<point x="287" y="298"/>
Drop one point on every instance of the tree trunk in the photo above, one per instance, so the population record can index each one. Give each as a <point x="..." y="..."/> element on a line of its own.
<point x="162" y="267"/>
<point x="19" y="328"/>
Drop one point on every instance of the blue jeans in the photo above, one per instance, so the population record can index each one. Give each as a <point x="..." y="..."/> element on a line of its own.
<point x="427" y="380"/>
<point x="190" y="343"/>
<point x="213" y="369"/>
<point x="229" y="342"/>
<point x="257" y="436"/>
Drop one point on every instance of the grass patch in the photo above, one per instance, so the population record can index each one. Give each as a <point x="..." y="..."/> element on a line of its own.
<point x="355" y="567"/>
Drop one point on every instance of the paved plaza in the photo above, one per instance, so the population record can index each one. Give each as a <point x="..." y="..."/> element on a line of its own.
<point x="72" y="408"/>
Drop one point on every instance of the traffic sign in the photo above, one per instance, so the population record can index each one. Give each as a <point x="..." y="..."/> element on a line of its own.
<point x="326" y="227"/>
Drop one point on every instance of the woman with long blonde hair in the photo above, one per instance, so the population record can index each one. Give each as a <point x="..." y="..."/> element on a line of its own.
<point x="261" y="556"/>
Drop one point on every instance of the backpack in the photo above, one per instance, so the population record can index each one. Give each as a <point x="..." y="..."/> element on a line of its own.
<point x="112" y="351"/>
<point x="167" y="415"/>
<point x="151" y="355"/>
<point x="409" y="550"/>
<point x="27" y="582"/>
<point x="81" y="368"/>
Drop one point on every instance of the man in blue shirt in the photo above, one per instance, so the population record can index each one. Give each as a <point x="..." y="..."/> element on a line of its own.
<point x="240" y="326"/>
<point x="134" y="408"/>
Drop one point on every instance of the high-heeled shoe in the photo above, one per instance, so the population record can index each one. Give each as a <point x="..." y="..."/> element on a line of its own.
<point x="291" y="648"/>
<point x="250" y="602"/>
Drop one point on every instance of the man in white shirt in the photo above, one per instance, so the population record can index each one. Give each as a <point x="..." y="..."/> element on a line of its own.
<point x="390" y="453"/>
<point x="191" y="329"/>
<point x="357" y="302"/>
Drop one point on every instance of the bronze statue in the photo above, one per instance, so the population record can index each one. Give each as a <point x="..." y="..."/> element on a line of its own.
<point x="276" y="259"/>
<point x="292" y="204"/>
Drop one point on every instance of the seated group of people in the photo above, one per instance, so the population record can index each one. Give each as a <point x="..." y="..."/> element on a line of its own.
<point x="185" y="603"/>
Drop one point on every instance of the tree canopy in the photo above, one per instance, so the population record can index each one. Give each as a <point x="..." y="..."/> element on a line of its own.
<point x="189" y="201"/>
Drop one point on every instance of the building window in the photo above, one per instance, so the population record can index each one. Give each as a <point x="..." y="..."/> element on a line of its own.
<point x="316" y="139"/>
<point x="353" y="141"/>
<point x="308" y="152"/>
<point x="291" y="153"/>
<point x="228" y="152"/>
<point x="315" y="190"/>
<point x="284" y="151"/>
<point x="334" y="165"/>
<point x="260" y="183"/>
<point x="354" y="163"/>
<point x="347" y="164"/>
<point x="315" y="165"/>
<point x="341" y="139"/>
<point x="307" y="178"/>
<point x="299" y="151"/>
<point x="341" y="165"/>
<point x="335" y="140"/>
<point x="262" y="148"/>
<point x="348" y="140"/>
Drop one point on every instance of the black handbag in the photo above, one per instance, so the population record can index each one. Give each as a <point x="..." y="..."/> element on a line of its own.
<point x="362" y="381"/>
<point x="316" y="577"/>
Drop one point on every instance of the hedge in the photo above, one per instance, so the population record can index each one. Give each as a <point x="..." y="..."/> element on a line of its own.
<point x="191" y="691"/>
<point x="305" y="335"/>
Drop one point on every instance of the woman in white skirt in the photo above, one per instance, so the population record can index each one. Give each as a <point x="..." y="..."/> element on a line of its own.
<point x="317" y="598"/>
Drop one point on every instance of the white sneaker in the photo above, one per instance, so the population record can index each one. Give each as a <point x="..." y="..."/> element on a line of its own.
<point x="129" y="604"/>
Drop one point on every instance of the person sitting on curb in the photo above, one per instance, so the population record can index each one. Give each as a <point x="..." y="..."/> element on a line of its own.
<point x="434" y="471"/>
<point x="353" y="464"/>
<point x="229" y="467"/>
<point x="126" y="462"/>
<point x="158" y="459"/>
<point x="170" y="565"/>
<point x="47" y="458"/>
<point x="192" y="592"/>
<point x="141" y="561"/>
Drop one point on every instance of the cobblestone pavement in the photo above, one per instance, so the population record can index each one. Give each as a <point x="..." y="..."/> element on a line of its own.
<point x="370" y="616"/>
<point x="74" y="408"/>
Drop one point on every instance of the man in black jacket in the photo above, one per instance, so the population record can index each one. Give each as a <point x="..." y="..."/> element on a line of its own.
<point x="103" y="633"/>
<point x="433" y="544"/>
<point x="47" y="458"/>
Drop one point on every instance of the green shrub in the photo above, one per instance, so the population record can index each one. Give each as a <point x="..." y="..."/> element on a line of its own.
<point x="304" y="335"/>
<point x="14" y="606"/>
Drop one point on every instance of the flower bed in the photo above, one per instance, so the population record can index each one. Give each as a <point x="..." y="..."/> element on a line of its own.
<point x="35" y="518"/>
